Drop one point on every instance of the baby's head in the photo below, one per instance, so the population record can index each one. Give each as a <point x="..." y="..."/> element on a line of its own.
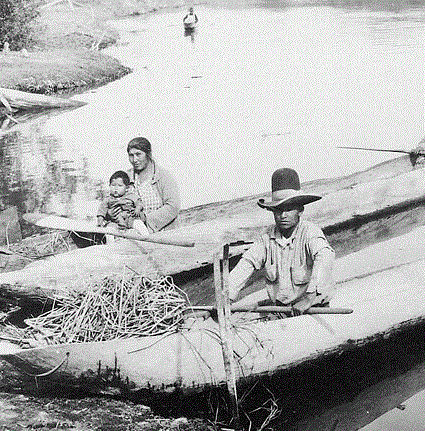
<point x="118" y="184"/>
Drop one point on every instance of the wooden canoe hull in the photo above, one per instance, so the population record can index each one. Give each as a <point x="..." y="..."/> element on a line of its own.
<point x="246" y="205"/>
<point x="23" y="100"/>
<point x="236" y="207"/>
<point x="23" y="116"/>
<point x="353" y="218"/>
<point x="16" y="256"/>
<point x="386" y="295"/>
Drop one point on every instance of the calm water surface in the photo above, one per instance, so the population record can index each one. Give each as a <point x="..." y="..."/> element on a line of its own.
<point x="257" y="88"/>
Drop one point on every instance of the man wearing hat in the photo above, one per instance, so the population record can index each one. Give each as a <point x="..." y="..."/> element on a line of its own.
<point x="295" y="253"/>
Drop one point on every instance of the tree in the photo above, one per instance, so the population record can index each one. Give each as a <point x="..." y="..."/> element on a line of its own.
<point x="16" y="18"/>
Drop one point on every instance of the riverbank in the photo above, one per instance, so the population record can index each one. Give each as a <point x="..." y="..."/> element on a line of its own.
<point x="19" y="411"/>
<point x="67" y="55"/>
<point x="70" y="35"/>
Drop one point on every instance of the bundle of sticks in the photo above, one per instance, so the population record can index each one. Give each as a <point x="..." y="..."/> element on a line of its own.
<point x="118" y="306"/>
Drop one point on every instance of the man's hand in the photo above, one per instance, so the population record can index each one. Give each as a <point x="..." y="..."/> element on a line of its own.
<point x="303" y="304"/>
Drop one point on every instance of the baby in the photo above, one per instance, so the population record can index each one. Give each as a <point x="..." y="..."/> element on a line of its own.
<point x="120" y="196"/>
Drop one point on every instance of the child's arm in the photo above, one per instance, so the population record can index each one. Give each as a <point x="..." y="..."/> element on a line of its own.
<point x="101" y="222"/>
<point x="101" y="214"/>
<point x="138" y="210"/>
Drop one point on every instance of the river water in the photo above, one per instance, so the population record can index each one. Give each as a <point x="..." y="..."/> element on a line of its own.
<point x="260" y="85"/>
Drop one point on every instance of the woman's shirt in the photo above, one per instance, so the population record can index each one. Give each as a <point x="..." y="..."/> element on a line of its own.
<point x="160" y="195"/>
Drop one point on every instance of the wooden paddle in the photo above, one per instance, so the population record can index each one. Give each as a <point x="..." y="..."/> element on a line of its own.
<point x="273" y="309"/>
<point x="417" y="152"/>
<point x="378" y="149"/>
<point x="124" y="234"/>
<point x="64" y="223"/>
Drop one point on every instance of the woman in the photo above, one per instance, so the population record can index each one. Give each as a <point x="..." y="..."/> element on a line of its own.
<point x="156" y="187"/>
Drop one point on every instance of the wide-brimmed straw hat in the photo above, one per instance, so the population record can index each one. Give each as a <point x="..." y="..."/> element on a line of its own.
<point x="286" y="191"/>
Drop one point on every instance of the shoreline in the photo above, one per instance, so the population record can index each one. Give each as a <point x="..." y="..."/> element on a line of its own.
<point x="67" y="58"/>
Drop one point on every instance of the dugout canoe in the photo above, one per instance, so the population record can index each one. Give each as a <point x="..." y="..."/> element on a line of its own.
<point x="22" y="100"/>
<point x="384" y="201"/>
<point x="18" y="118"/>
<point x="16" y="255"/>
<point x="383" y="284"/>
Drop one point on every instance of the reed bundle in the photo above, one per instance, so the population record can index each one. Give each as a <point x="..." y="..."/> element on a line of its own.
<point x="118" y="306"/>
<point x="42" y="246"/>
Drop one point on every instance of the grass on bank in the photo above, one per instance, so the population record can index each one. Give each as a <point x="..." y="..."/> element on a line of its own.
<point x="60" y="51"/>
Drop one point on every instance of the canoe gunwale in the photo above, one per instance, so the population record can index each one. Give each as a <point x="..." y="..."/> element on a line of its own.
<point x="111" y="376"/>
<point x="194" y="276"/>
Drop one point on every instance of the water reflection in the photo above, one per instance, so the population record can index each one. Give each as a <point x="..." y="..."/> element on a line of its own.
<point x="343" y="391"/>
<point x="35" y="177"/>
<point x="364" y="386"/>
<point x="190" y="32"/>
<point x="25" y="116"/>
<point x="249" y="92"/>
<point x="408" y="416"/>
<point x="387" y="405"/>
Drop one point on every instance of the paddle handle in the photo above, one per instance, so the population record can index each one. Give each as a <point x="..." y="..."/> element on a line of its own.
<point x="377" y="149"/>
<point x="276" y="309"/>
<point x="123" y="234"/>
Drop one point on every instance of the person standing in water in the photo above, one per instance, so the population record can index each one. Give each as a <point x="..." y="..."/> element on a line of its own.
<point x="190" y="20"/>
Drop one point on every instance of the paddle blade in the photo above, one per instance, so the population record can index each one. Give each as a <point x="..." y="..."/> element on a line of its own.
<point x="64" y="223"/>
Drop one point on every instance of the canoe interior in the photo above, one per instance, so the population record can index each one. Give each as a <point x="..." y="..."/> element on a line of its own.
<point x="363" y="355"/>
<point x="36" y="247"/>
<point x="382" y="283"/>
<point x="353" y="213"/>
<point x="345" y="361"/>
<point x="345" y="238"/>
<point x="234" y="207"/>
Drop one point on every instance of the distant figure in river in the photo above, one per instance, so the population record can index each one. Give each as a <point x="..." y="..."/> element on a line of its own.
<point x="154" y="185"/>
<point x="190" y="20"/>
<point x="122" y="206"/>
<point x="295" y="253"/>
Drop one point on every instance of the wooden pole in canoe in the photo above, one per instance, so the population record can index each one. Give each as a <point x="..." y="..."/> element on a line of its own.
<point x="272" y="309"/>
<point x="63" y="223"/>
<point x="137" y="237"/>
<point x="221" y="282"/>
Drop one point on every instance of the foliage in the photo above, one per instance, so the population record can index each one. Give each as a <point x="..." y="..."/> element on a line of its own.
<point x="16" y="19"/>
